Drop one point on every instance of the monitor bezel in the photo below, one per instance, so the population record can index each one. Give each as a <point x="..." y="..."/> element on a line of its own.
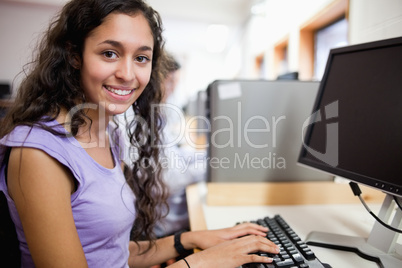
<point x="319" y="165"/>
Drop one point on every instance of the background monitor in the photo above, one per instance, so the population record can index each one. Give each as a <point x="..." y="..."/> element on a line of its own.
<point x="288" y="76"/>
<point x="202" y="122"/>
<point x="355" y="132"/>
<point x="5" y="91"/>
<point x="256" y="130"/>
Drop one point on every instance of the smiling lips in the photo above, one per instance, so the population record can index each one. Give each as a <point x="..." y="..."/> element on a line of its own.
<point x="120" y="92"/>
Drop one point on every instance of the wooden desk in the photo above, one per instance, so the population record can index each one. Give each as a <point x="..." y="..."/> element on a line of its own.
<point x="274" y="193"/>
<point x="306" y="206"/>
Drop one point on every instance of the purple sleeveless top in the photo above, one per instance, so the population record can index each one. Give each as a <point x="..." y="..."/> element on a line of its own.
<point x="103" y="205"/>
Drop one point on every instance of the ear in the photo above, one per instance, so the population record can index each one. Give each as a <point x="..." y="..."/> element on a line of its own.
<point x="74" y="58"/>
<point x="75" y="61"/>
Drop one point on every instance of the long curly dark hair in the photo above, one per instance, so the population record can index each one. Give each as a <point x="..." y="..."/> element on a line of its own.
<point x="53" y="84"/>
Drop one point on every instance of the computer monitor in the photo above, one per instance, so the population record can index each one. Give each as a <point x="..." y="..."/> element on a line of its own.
<point x="288" y="76"/>
<point x="355" y="132"/>
<point x="255" y="130"/>
<point x="5" y="91"/>
<point x="202" y="122"/>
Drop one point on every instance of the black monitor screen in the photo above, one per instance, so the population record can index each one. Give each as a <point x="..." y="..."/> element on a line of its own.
<point x="5" y="91"/>
<point x="356" y="128"/>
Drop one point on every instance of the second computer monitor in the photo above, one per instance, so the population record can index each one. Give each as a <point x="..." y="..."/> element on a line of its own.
<point x="256" y="130"/>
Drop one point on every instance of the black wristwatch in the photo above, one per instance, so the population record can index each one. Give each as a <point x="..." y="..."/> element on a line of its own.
<point x="178" y="245"/>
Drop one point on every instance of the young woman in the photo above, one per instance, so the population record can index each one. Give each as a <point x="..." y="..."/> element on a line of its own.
<point x="61" y="172"/>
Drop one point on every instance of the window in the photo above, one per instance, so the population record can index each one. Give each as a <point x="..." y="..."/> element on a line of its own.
<point x="326" y="38"/>
<point x="326" y="29"/>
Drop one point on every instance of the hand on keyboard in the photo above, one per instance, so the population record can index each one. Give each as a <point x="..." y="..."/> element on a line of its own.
<point x="210" y="238"/>
<point x="231" y="247"/>
<point x="293" y="251"/>
<point x="234" y="253"/>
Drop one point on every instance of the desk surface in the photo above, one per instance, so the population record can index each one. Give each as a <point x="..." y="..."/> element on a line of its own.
<point x="210" y="207"/>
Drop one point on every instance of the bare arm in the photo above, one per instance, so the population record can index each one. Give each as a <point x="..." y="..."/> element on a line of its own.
<point x="161" y="252"/>
<point x="230" y="254"/>
<point x="215" y="243"/>
<point x="41" y="188"/>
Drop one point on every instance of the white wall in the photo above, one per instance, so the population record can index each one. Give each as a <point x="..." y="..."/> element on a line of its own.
<point x="20" y="27"/>
<point x="381" y="19"/>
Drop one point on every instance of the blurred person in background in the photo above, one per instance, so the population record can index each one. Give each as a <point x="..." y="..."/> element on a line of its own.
<point x="181" y="162"/>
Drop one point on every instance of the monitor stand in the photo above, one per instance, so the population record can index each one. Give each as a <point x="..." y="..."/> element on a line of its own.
<point x="380" y="246"/>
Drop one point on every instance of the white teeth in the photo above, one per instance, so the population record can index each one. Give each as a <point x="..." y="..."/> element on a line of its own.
<point x="119" y="91"/>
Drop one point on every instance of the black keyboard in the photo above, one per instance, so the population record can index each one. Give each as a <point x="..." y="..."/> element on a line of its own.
<point x="293" y="251"/>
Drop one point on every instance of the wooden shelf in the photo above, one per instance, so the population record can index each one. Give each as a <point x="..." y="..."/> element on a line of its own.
<point x="286" y="193"/>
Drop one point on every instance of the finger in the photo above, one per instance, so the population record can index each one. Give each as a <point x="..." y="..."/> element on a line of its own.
<point x="249" y="224"/>
<point x="252" y="230"/>
<point x="259" y="227"/>
<point x="260" y="244"/>
<point x="254" y="258"/>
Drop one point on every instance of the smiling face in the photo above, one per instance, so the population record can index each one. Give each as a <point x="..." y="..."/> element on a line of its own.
<point x="117" y="62"/>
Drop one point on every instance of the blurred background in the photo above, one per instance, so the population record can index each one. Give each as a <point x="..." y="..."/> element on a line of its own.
<point x="226" y="39"/>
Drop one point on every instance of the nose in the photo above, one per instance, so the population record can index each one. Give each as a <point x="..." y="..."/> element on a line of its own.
<point x="125" y="70"/>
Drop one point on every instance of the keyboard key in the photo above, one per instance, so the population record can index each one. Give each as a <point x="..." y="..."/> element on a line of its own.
<point x="294" y="253"/>
<point x="256" y="265"/>
<point x="298" y="258"/>
<point x="277" y="259"/>
<point x="309" y="255"/>
<point x="285" y="264"/>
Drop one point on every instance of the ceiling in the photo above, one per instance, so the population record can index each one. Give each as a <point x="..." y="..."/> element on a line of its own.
<point x="232" y="12"/>
<point x="186" y="21"/>
<point x="210" y="11"/>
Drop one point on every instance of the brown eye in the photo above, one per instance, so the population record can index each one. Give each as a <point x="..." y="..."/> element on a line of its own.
<point x="110" y="54"/>
<point x="142" y="59"/>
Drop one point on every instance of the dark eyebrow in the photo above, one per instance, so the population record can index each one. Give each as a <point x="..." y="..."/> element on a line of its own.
<point x="112" y="43"/>
<point x="119" y="45"/>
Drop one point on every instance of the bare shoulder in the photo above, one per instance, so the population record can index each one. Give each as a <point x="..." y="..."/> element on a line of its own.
<point x="41" y="188"/>
<point x="32" y="169"/>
